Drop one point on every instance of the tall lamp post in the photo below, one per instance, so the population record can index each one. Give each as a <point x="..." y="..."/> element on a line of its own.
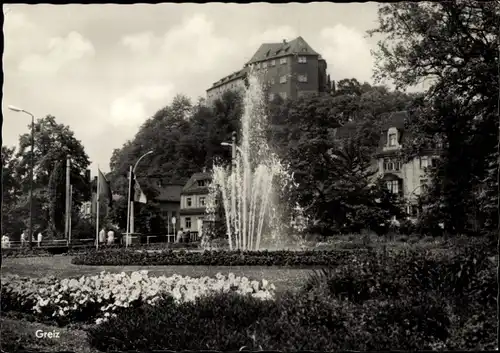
<point x="132" y="222"/>
<point x="32" y="166"/>
<point x="233" y="176"/>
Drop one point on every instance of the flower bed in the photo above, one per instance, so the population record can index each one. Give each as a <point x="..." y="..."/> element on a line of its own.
<point x="376" y="301"/>
<point x="214" y="258"/>
<point x="98" y="297"/>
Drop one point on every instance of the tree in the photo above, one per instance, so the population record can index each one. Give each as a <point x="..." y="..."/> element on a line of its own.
<point x="454" y="45"/>
<point x="185" y="139"/>
<point x="11" y="192"/>
<point x="53" y="142"/>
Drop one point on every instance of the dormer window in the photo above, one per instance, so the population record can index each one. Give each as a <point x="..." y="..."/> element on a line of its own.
<point x="424" y="162"/>
<point x="201" y="182"/>
<point x="393" y="139"/>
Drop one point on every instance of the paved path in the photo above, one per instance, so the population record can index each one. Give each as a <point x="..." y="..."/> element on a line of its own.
<point x="61" y="267"/>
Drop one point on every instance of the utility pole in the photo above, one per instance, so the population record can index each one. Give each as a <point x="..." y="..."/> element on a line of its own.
<point x="68" y="206"/>
<point x="70" y="212"/>
<point x="233" y="184"/>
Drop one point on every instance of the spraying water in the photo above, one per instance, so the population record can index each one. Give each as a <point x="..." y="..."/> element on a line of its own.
<point x="252" y="189"/>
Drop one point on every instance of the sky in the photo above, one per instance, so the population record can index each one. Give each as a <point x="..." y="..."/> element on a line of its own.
<point x="105" y="69"/>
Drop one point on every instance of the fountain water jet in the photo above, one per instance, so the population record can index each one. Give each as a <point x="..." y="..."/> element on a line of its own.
<point x="251" y="189"/>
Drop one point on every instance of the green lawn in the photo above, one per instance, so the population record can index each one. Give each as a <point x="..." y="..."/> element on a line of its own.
<point x="61" y="267"/>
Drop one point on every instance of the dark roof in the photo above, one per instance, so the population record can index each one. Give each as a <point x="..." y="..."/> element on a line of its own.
<point x="269" y="51"/>
<point x="192" y="187"/>
<point x="234" y="76"/>
<point x="395" y="119"/>
<point x="170" y="193"/>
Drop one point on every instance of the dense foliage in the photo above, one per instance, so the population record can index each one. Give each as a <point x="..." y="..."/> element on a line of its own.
<point x="453" y="45"/>
<point x="410" y="301"/>
<point x="53" y="143"/>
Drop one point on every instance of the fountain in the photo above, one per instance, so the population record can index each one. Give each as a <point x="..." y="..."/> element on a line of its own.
<point x="252" y="190"/>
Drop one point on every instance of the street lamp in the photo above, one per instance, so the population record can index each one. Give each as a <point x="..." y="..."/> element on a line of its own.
<point x="132" y="221"/>
<point x="136" y="163"/>
<point x="32" y="166"/>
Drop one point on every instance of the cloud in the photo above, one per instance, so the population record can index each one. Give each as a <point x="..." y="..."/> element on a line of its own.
<point x="138" y="43"/>
<point x="17" y="29"/>
<point x="192" y="47"/>
<point x="131" y="109"/>
<point x="59" y="52"/>
<point x="272" y="35"/>
<point x="346" y="52"/>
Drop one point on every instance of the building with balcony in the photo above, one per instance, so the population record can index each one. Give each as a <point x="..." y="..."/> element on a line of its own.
<point x="288" y="69"/>
<point x="406" y="178"/>
<point x="194" y="196"/>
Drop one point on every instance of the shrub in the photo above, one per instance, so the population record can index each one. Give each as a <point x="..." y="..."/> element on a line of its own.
<point x="220" y="322"/>
<point x="295" y="321"/>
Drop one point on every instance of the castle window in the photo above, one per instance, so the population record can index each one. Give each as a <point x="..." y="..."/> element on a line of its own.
<point x="264" y="65"/>
<point x="302" y="59"/>
<point x="283" y="61"/>
<point x="302" y="78"/>
<point x="283" y="79"/>
<point x="273" y="62"/>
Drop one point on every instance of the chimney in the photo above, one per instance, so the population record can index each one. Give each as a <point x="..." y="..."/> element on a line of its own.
<point x="284" y="41"/>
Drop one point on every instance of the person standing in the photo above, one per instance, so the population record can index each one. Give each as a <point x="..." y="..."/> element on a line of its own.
<point x="111" y="237"/>
<point x="23" y="238"/>
<point x="180" y="234"/>
<point x="5" y="241"/>
<point x="39" y="238"/>
<point x="102" y="236"/>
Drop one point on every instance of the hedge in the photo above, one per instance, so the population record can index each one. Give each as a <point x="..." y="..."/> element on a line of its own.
<point x="214" y="258"/>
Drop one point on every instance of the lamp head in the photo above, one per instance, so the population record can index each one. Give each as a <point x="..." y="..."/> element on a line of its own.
<point x="15" y="109"/>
